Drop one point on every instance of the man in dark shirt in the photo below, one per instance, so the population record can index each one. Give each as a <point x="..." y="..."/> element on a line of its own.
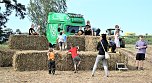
<point x="88" y="30"/>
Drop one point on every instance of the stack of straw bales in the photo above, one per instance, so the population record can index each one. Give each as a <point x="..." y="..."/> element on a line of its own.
<point x="6" y="58"/>
<point x="28" y="42"/>
<point x="32" y="60"/>
<point x="37" y="60"/>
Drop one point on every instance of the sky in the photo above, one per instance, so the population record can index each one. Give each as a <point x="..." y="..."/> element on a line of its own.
<point x="130" y="15"/>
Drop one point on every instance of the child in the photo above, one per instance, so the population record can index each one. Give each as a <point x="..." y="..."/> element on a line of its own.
<point x="51" y="61"/>
<point x="75" y="57"/>
<point x="60" y="41"/>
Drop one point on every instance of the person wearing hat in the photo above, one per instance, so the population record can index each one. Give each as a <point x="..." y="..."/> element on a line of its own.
<point x="101" y="55"/>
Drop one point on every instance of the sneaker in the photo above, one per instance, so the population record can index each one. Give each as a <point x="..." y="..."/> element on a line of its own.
<point x="53" y="72"/>
<point x="106" y="76"/>
<point x="75" y="71"/>
<point x="49" y="71"/>
<point x="92" y="75"/>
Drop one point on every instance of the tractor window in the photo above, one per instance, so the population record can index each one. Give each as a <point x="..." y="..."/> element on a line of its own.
<point x="72" y="29"/>
<point x="60" y="27"/>
<point x="112" y="32"/>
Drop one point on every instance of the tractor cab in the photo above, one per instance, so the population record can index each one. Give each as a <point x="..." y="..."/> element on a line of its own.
<point x="68" y="23"/>
<point x="110" y="31"/>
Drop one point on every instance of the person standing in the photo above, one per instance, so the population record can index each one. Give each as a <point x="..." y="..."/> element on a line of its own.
<point x="65" y="40"/>
<point x="141" y="45"/>
<point x="101" y="55"/>
<point x="117" y="39"/>
<point x="51" y="61"/>
<point x="60" y="41"/>
<point x="117" y="34"/>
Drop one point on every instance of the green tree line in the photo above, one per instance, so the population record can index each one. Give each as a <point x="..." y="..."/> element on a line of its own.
<point x="134" y="39"/>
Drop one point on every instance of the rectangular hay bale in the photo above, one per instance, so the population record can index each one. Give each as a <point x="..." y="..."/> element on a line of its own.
<point x="30" y="61"/>
<point x="6" y="58"/>
<point x="85" y="43"/>
<point x="28" y="42"/>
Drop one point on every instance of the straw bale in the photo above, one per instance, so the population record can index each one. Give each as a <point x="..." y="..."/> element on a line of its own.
<point x="91" y="43"/>
<point x="77" y="41"/>
<point x="28" y="42"/>
<point x="37" y="60"/>
<point x="30" y="61"/>
<point x="85" y="43"/>
<point x="131" y="56"/>
<point x="6" y="58"/>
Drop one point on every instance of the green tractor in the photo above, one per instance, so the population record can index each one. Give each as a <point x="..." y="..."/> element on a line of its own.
<point x="67" y="22"/>
<point x="111" y="32"/>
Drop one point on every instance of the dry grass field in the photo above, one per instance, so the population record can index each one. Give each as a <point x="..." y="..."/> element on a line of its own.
<point x="8" y="75"/>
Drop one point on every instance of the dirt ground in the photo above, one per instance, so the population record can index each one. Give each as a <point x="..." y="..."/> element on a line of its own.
<point x="8" y="75"/>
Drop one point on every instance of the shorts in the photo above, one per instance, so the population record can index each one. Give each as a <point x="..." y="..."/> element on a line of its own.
<point x="76" y="59"/>
<point x="140" y="56"/>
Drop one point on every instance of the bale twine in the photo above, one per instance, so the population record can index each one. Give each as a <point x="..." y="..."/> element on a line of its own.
<point x="28" y="42"/>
